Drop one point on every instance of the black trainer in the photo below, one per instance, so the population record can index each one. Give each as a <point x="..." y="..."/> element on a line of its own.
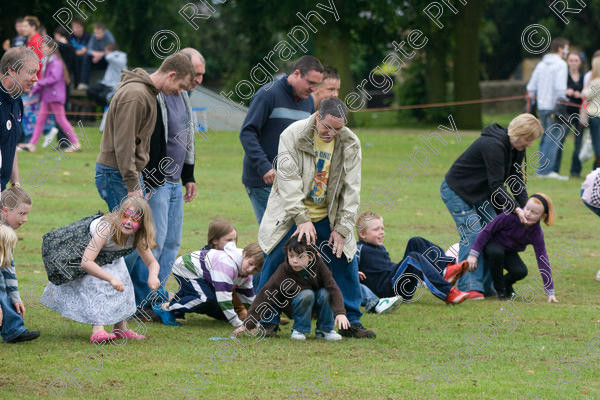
<point x="357" y="331"/>
<point x="26" y="336"/>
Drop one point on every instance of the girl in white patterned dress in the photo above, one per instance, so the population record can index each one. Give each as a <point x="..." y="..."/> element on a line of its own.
<point x="105" y="295"/>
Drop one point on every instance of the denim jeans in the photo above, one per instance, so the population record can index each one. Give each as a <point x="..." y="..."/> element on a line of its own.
<point x="259" y="197"/>
<point x="166" y="203"/>
<point x="369" y="300"/>
<point x="554" y="133"/>
<point x="595" y="134"/>
<point x="12" y="322"/>
<point x="344" y="273"/>
<point x="475" y="216"/>
<point x="303" y="305"/>
<point x="111" y="187"/>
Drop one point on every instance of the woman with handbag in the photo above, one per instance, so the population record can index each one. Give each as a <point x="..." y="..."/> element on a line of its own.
<point x="105" y="295"/>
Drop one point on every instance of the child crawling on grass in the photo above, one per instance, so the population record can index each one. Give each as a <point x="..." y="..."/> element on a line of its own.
<point x="301" y="285"/>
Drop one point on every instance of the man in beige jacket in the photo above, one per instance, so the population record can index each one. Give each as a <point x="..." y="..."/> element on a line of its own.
<point x="129" y="125"/>
<point x="316" y="194"/>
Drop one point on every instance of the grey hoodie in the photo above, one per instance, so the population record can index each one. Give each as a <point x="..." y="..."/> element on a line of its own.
<point x="129" y="125"/>
<point x="549" y="81"/>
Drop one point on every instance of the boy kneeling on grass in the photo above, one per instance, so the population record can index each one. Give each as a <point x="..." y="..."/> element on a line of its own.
<point x="300" y="285"/>
<point x="422" y="261"/>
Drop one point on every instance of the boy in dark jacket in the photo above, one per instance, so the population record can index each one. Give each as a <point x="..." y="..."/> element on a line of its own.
<point x="300" y="285"/>
<point x="422" y="261"/>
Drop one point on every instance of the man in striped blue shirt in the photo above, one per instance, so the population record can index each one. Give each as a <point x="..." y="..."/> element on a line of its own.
<point x="273" y="108"/>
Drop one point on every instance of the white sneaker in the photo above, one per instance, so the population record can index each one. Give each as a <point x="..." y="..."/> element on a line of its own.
<point x="331" y="335"/>
<point x="598" y="275"/>
<point x="82" y="86"/>
<point x="554" y="175"/>
<point x="50" y="137"/>
<point x="387" y="304"/>
<point x="297" y="335"/>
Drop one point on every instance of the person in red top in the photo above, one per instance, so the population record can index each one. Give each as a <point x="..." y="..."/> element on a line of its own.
<point x="30" y="28"/>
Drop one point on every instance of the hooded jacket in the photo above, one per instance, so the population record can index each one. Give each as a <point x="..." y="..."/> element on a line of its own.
<point x="293" y="182"/>
<point x="486" y="166"/>
<point x="52" y="87"/>
<point x="549" y="81"/>
<point x="129" y="125"/>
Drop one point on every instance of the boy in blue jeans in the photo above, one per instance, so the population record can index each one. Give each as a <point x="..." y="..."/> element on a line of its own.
<point x="15" y="205"/>
<point x="422" y="261"/>
<point x="301" y="285"/>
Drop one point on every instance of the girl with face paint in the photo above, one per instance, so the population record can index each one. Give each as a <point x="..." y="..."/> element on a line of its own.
<point x="105" y="296"/>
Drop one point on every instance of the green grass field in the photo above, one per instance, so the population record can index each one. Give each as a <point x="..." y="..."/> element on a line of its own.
<point x="478" y="350"/>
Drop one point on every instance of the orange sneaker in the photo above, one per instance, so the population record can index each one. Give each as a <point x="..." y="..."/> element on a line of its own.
<point x="456" y="296"/>
<point x="453" y="272"/>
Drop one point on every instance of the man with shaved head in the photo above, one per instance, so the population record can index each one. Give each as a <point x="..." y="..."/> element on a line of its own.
<point x="171" y="165"/>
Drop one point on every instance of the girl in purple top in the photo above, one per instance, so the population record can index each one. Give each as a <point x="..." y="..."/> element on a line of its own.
<point x="506" y="236"/>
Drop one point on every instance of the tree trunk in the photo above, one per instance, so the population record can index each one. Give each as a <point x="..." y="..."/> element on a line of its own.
<point x="436" y="68"/>
<point x="466" y="63"/>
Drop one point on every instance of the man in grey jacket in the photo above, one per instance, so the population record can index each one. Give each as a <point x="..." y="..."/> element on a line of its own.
<point x="171" y="163"/>
<point x="316" y="193"/>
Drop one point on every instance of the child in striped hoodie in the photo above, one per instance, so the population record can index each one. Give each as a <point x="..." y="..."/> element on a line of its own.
<point x="207" y="279"/>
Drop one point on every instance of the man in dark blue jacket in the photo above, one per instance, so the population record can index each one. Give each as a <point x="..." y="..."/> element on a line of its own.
<point x="18" y="69"/>
<point x="273" y="108"/>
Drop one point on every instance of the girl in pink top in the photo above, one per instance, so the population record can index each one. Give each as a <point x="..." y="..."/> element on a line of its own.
<point x="52" y="88"/>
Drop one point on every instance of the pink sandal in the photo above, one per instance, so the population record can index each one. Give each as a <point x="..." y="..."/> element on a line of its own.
<point x="129" y="334"/>
<point x="102" y="336"/>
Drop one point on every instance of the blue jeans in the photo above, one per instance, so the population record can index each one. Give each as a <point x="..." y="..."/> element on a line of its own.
<point x="166" y="203"/>
<point x="345" y="273"/>
<point x="259" y="197"/>
<point x="478" y="214"/>
<point x="303" y="305"/>
<point x="595" y="134"/>
<point x="554" y="133"/>
<point x="110" y="185"/>
<point x="369" y="300"/>
<point x="12" y="322"/>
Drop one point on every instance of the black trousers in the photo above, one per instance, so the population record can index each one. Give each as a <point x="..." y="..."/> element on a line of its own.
<point x="499" y="259"/>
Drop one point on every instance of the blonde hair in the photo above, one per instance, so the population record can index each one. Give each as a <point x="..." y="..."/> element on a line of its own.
<point x="217" y="229"/>
<point x="525" y="125"/>
<point x="255" y="253"/>
<point x="595" y="68"/>
<point x="550" y="215"/>
<point x="144" y="237"/>
<point x="363" y="218"/>
<point x="13" y="197"/>
<point x="8" y="241"/>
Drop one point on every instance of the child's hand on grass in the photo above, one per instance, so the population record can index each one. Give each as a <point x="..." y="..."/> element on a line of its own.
<point x="472" y="260"/>
<point x="361" y="276"/>
<point x="552" y="299"/>
<point x="117" y="284"/>
<point x="239" y="330"/>
<point x="341" y="322"/>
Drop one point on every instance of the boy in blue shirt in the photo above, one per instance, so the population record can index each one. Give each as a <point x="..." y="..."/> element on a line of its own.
<point x="422" y="261"/>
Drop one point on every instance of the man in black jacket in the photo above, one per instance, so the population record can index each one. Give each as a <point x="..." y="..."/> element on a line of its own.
<point x="473" y="189"/>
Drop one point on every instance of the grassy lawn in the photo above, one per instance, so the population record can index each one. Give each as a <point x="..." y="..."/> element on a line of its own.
<point x="478" y="350"/>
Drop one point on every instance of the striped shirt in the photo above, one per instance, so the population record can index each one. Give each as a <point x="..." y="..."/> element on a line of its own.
<point x="10" y="285"/>
<point x="222" y="270"/>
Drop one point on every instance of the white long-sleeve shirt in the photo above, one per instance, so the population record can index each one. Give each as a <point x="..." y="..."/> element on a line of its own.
<point x="549" y="81"/>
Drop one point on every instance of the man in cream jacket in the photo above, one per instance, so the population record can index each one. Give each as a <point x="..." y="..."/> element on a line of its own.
<point x="316" y="194"/>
